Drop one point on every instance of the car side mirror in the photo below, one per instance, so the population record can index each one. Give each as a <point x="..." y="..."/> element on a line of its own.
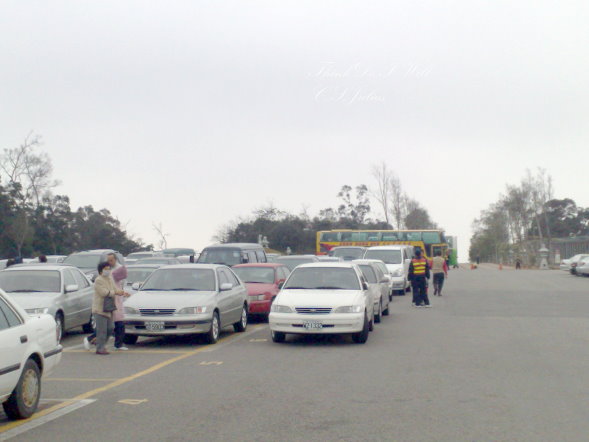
<point x="364" y="285"/>
<point x="71" y="288"/>
<point x="226" y="286"/>
<point x="136" y="286"/>
<point x="386" y="278"/>
<point x="280" y="284"/>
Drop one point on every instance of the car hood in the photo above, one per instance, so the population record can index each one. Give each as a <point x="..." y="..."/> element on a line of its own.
<point x="256" y="288"/>
<point x="165" y="299"/>
<point x="319" y="298"/>
<point x="394" y="267"/>
<point x="35" y="299"/>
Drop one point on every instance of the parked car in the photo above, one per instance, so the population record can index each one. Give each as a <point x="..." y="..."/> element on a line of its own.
<point x="61" y="291"/>
<point x="29" y="351"/>
<point x="577" y="260"/>
<point x="262" y="281"/>
<point x="397" y="260"/>
<point x="176" y="252"/>
<point x="158" y="260"/>
<point x="132" y="258"/>
<point x="378" y="282"/>
<point x="87" y="261"/>
<point x="187" y="299"/>
<point x="348" y="253"/>
<point x="138" y="273"/>
<point x="323" y="298"/>
<point x="55" y="259"/>
<point x="326" y="258"/>
<point x="232" y="254"/>
<point x="271" y="257"/>
<point x="582" y="268"/>
<point x="291" y="261"/>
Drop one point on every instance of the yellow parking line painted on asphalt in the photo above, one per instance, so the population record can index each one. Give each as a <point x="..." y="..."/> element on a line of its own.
<point x="122" y="381"/>
<point x="82" y="379"/>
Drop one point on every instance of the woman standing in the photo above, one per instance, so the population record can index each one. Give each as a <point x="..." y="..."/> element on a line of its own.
<point x="104" y="287"/>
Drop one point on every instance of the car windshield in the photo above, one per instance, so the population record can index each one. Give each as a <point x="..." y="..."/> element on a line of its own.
<point x="368" y="273"/>
<point x="262" y="275"/>
<point x="291" y="263"/>
<point x="23" y="281"/>
<point x="225" y="256"/>
<point x="319" y="278"/>
<point x="178" y="252"/>
<point x="386" y="256"/>
<point x="83" y="261"/>
<point x="138" y="275"/>
<point x="348" y="253"/>
<point x="139" y="255"/>
<point x="180" y="280"/>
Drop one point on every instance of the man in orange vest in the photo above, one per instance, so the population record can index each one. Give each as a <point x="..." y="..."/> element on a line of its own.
<point x="418" y="275"/>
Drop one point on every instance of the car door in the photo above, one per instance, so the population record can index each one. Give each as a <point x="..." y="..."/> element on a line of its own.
<point x="73" y="303"/>
<point x="86" y="295"/>
<point x="383" y="286"/>
<point x="237" y="295"/>
<point x="224" y="299"/>
<point x="13" y="347"/>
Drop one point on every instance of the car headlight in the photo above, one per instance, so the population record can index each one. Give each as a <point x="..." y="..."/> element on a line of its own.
<point x="36" y="311"/>
<point x="349" y="309"/>
<point x="280" y="309"/>
<point x="193" y="310"/>
<point x="131" y="311"/>
<point x="398" y="272"/>
<point x="257" y="297"/>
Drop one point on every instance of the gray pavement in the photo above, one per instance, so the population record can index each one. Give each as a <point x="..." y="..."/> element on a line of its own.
<point x="501" y="356"/>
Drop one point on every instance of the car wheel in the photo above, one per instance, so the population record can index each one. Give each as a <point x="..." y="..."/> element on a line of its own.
<point x="24" y="400"/>
<point x="213" y="334"/>
<point x="362" y="337"/>
<point x="130" y="339"/>
<point x="278" y="337"/>
<point x="385" y="312"/>
<point x="240" y="326"/>
<point x="371" y="325"/>
<point x="378" y="314"/>
<point x="90" y="326"/>
<point x="59" y="326"/>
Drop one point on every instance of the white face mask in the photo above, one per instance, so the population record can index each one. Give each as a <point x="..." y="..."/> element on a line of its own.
<point x="106" y="273"/>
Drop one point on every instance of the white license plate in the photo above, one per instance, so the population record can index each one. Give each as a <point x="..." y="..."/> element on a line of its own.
<point x="313" y="325"/>
<point x="154" y="326"/>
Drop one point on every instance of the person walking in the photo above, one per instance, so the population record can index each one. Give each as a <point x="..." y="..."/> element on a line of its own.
<point x="104" y="287"/>
<point x="440" y="272"/>
<point x="419" y="273"/>
<point x="119" y="274"/>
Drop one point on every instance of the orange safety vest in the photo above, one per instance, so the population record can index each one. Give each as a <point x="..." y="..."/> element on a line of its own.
<point x="419" y="266"/>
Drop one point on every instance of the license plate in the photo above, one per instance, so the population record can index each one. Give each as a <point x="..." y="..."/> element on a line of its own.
<point x="154" y="326"/>
<point x="313" y="325"/>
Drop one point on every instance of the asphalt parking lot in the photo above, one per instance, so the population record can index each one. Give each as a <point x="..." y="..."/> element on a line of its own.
<point x="501" y="356"/>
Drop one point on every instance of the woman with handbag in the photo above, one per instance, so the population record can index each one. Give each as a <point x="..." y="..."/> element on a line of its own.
<point x="103" y="306"/>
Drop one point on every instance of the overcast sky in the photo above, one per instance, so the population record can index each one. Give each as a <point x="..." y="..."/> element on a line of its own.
<point x="193" y="113"/>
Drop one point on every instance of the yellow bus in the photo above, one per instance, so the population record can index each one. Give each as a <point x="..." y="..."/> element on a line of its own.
<point x="430" y="241"/>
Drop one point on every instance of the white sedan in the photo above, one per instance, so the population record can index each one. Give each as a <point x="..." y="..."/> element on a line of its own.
<point x="323" y="298"/>
<point x="28" y="351"/>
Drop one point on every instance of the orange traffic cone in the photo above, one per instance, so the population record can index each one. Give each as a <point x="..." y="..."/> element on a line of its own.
<point x="472" y="267"/>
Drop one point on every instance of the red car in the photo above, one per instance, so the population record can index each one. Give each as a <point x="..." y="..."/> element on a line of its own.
<point x="261" y="280"/>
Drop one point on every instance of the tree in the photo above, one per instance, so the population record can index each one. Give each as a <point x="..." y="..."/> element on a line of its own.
<point x="354" y="208"/>
<point x="417" y="217"/>
<point x="162" y="237"/>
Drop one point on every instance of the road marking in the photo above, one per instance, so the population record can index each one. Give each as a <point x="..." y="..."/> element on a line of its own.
<point x="50" y="410"/>
<point x="258" y="340"/>
<point x="132" y="401"/>
<point x="82" y="379"/>
<point x="30" y="424"/>
<point x="211" y="363"/>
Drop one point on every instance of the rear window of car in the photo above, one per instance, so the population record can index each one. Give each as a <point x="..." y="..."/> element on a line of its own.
<point x="323" y="278"/>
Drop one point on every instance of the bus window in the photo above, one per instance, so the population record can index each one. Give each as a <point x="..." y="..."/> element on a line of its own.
<point x="413" y="236"/>
<point x="431" y="237"/>
<point x="391" y="236"/>
<point x="330" y="236"/>
<point x="354" y="236"/>
<point x="373" y="236"/>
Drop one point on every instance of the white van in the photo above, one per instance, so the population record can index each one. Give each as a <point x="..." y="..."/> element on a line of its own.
<point x="397" y="260"/>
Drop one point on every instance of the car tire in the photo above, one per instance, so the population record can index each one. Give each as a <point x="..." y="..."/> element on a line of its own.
<point x="240" y="326"/>
<point x="24" y="399"/>
<point x="59" y="326"/>
<point x="212" y="335"/>
<point x="278" y="337"/>
<point x="90" y="326"/>
<point x="385" y="312"/>
<point x="362" y="337"/>
<point x="378" y="315"/>
<point x="130" y="339"/>
<point x="371" y="325"/>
